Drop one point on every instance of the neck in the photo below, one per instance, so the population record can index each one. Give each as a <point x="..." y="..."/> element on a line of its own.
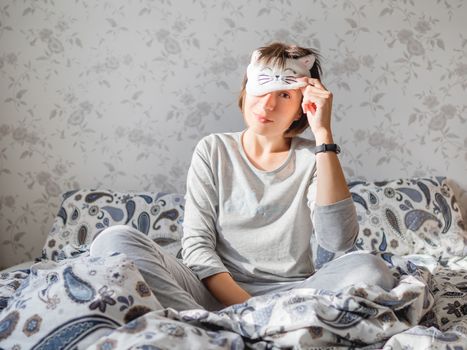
<point x="265" y="144"/>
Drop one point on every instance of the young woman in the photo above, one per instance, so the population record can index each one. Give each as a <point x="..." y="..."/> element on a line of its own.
<point x="266" y="210"/>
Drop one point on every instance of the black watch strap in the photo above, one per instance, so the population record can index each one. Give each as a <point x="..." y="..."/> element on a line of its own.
<point x="326" y="147"/>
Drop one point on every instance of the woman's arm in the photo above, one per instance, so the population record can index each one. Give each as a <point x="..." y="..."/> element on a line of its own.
<point x="331" y="184"/>
<point x="199" y="228"/>
<point x="334" y="216"/>
<point x="223" y="287"/>
<point x="317" y="103"/>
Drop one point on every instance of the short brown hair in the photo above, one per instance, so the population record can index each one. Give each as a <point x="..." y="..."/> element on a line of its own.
<point x="277" y="53"/>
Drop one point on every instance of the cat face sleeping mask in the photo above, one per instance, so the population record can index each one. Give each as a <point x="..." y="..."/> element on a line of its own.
<point x="267" y="78"/>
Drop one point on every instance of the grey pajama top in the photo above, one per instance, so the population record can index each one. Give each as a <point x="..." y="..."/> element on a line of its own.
<point x="258" y="225"/>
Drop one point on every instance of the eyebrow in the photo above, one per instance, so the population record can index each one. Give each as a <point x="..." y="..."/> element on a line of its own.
<point x="289" y="91"/>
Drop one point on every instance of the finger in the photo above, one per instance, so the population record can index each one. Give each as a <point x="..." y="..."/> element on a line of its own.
<point x="309" y="107"/>
<point x="315" y="90"/>
<point x="302" y="88"/>
<point x="317" y="98"/>
<point x="316" y="82"/>
<point x="312" y="104"/>
<point x="302" y="79"/>
<point x="315" y="102"/>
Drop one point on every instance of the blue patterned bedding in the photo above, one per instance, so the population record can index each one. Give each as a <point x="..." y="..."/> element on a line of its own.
<point x="107" y="305"/>
<point x="69" y="300"/>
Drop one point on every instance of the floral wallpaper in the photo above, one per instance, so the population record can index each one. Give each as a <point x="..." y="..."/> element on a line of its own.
<point x="115" y="94"/>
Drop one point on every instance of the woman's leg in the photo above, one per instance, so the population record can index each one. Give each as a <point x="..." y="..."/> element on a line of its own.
<point x="351" y="268"/>
<point x="173" y="283"/>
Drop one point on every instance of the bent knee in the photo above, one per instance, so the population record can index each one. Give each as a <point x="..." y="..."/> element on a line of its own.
<point x="379" y="273"/>
<point x="112" y="239"/>
<point x="370" y="260"/>
<point x="373" y="270"/>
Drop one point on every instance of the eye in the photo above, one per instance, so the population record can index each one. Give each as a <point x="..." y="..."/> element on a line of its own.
<point x="286" y="94"/>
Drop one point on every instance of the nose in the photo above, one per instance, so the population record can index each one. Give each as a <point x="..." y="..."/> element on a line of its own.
<point x="269" y="101"/>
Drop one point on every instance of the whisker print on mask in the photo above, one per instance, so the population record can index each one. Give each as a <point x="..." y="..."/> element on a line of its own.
<point x="264" y="81"/>
<point x="264" y="76"/>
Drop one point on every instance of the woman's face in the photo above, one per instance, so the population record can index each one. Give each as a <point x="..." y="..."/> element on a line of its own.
<point x="272" y="114"/>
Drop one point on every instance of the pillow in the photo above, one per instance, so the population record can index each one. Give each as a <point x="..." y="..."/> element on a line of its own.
<point x="84" y="214"/>
<point x="9" y="283"/>
<point x="74" y="302"/>
<point x="409" y="216"/>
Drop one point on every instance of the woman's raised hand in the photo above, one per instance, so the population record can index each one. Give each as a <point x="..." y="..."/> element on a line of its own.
<point x="317" y="104"/>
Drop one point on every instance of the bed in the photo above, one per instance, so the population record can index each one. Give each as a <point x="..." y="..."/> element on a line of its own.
<point x="67" y="299"/>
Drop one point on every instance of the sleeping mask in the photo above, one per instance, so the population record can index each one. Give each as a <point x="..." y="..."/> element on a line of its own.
<point x="267" y="78"/>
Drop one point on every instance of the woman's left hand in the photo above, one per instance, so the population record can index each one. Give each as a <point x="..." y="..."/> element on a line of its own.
<point x="317" y="104"/>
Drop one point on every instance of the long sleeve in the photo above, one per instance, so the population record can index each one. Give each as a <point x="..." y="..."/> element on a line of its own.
<point x="335" y="225"/>
<point x="201" y="210"/>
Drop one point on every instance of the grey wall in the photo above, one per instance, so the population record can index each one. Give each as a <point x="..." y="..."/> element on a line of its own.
<point x="115" y="94"/>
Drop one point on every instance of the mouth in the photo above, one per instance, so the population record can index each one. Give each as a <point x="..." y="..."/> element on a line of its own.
<point x="262" y="118"/>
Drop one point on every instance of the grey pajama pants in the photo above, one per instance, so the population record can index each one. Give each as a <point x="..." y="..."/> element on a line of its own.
<point x="176" y="286"/>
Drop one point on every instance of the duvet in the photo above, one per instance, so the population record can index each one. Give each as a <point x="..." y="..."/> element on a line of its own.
<point x="103" y="303"/>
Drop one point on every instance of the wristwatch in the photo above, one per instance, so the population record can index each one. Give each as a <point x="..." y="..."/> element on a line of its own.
<point x="326" y="147"/>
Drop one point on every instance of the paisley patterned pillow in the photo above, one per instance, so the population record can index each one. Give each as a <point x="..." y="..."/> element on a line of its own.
<point x="83" y="298"/>
<point x="85" y="213"/>
<point x="409" y="216"/>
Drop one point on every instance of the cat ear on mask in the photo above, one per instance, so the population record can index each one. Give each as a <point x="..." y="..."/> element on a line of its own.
<point x="307" y="61"/>
<point x="255" y="56"/>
